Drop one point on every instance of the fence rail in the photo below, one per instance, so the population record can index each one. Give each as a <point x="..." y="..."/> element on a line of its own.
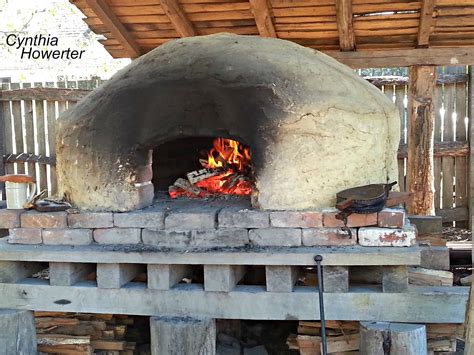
<point x="29" y="111"/>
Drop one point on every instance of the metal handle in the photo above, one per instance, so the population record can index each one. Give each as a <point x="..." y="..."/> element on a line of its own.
<point x="319" y="259"/>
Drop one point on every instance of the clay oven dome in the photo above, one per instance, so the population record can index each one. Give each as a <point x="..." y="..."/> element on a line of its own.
<point x="314" y="127"/>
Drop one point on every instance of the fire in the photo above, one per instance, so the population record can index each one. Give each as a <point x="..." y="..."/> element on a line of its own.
<point x="227" y="171"/>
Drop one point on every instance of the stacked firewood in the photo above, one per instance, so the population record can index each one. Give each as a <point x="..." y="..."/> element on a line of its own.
<point x="81" y="334"/>
<point x="343" y="337"/>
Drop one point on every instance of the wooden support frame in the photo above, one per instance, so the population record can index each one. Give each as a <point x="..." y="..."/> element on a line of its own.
<point x="261" y="10"/>
<point x="178" y="18"/>
<point x="345" y="26"/>
<point x="118" y="30"/>
<point x="421" y="117"/>
<point x="471" y="148"/>
<point x="426" y="21"/>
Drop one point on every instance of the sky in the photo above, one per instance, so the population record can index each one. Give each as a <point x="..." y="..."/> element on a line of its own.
<point x="51" y="18"/>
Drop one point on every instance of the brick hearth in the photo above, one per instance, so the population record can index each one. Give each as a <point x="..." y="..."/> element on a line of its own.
<point x="204" y="224"/>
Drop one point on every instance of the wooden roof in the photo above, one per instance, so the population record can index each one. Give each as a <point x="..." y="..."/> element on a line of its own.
<point x="349" y="30"/>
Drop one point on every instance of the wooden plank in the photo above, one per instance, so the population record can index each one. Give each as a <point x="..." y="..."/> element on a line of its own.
<point x="18" y="332"/>
<point x="469" y="324"/>
<point x="471" y="153"/>
<point x="420" y="169"/>
<point x="403" y="80"/>
<point x="261" y="10"/>
<point x="461" y="163"/>
<point x="28" y="134"/>
<point x="441" y="149"/>
<point x="426" y="22"/>
<point x="43" y="94"/>
<point x="41" y="142"/>
<point x="18" y="129"/>
<point x="178" y="18"/>
<point x="266" y="256"/>
<point x="421" y="304"/>
<point x="453" y="214"/>
<point x="447" y="163"/>
<point x="4" y="115"/>
<point x="345" y="26"/>
<point x="394" y="278"/>
<point x="405" y="57"/>
<point x="106" y="15"/>
<point x="51" y="123"/>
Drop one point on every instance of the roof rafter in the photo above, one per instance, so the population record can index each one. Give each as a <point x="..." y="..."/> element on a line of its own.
<point x="261" y="10"/>
<point x="344" y="25"/>
<point x="118" y="30"/>
<point x="178" y="18"/>
<point x="426" y="21"/>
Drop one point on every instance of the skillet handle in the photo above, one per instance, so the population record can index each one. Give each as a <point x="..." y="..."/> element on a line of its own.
<point x="344" y="204"/>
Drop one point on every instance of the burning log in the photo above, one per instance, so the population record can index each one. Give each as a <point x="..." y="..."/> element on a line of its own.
<point x="227" y="171"/>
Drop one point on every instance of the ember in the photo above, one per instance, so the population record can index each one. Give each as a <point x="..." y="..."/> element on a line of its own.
<point x="226" y="171"/>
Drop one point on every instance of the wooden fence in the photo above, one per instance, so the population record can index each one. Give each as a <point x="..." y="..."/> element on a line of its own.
<point x="29" y="112"/>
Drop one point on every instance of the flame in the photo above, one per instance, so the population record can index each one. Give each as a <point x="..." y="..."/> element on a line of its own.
<point x="231" y="162"/>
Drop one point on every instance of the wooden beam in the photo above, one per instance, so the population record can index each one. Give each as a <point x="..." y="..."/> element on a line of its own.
<point x="405" y="57"/>
<point x="118" y="30"/>
<point x="344" y="25"/>
<point x="53" y="94"/>
<point x="178" y="18"/>
<point x="261" y="10"/>
<point x="470" y="190"/>
<point x="441" y="149"/>
<point x="421" y="116"/>
<point x="426" y="21"/>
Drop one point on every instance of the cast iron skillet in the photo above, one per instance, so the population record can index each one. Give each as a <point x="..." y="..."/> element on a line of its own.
<point x="363" y="199"/>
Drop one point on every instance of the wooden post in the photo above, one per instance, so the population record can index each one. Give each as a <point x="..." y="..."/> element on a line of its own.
<point x="392" y="338"/>
<point x="421" y="115"/>
<point x="470" y="190"/>
<point x="2" y="145"/>
<point x="182" y="336"/>
<point x="18" y="335"/>
<point x="469" y="325"/>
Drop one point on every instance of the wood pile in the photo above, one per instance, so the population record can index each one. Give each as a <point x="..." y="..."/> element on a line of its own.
<point x="343" y="337"/>
<point x="83" y="334"/>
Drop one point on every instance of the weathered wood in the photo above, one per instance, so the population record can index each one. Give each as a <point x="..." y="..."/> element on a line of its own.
<point x="395" y="278"/>
<point x="420" y="169"/>
<point x="164" y="277"/>
<point x="345" y="26"/>
<point x="441" y="149"/>
<point x="28" y="130"/>
<point x="43" y="94"/>
<point x="426" y="277"/>
<point x="453" y="214"/>
<point x="469" y="325"/>
<point x="178" y="18"/>
<point x="41" y="143"/>
<point x="392" y="338"/>
<point x="421" y="304"/>
<point x="426" y="21"/>
<point x="107" y="16"/>
<point x="386" y="80"/>
<point x="427" y="224"/>
<point x="51" y="116"/>
<point x="29" y="158"/>
<point x="18" y="335"/>
<point x="303" y="256"/>
<point x="222" y="278"/>
<point x="281" y="278"/>
<point x="404" y="57"/>
<point x="117" y="275"/>
<point x="262" y="13"/>
<point x="68" y="274"/>
<point x="183" y="336"/>
<point x="471" y="152"/>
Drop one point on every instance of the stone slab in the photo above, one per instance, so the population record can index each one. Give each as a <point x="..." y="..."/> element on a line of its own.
<point x="18" y="336"/>
<point x="33" y="219"/>
<point x="140" y="219"/>
<point x="328" y="237"/>
<point x="391" y="218"/>
<point x="394" y="278"/>
<point x="222" y="278"/>
<point x="421" y="304"/>
<point x="165" y="277"/>
<point x="13" y="271"/>
<point x="287" y="237"/>
<point x="296" y="219"/>
<point x="90" y="220"/>
<point x="117" y="275"/>
<point x="117" y="236"/>
<point x="427" y="224"/>
<point x="10" y="218"/>
<point x="68" y="274"/>
<point x="281" y="278"/>
<point x="436" y="258"/>
<point x="243" y="218"/>
<point x="336" y="279"/>
<point x="25" y="236"/>
<point x="386" y="237"/>
<point x="67" y="236"/>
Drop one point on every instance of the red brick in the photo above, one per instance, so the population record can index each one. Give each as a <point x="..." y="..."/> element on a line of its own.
<point x="10" y="218"/>
<point x="296" y="219"/>
<point x="354" y="220"/>
<point x="44" y="220"/>
<point x="387" y="237"/>
<point x="391" y="218"/>
<point x="328" y="237"/>
<point x="25" y="236"/>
